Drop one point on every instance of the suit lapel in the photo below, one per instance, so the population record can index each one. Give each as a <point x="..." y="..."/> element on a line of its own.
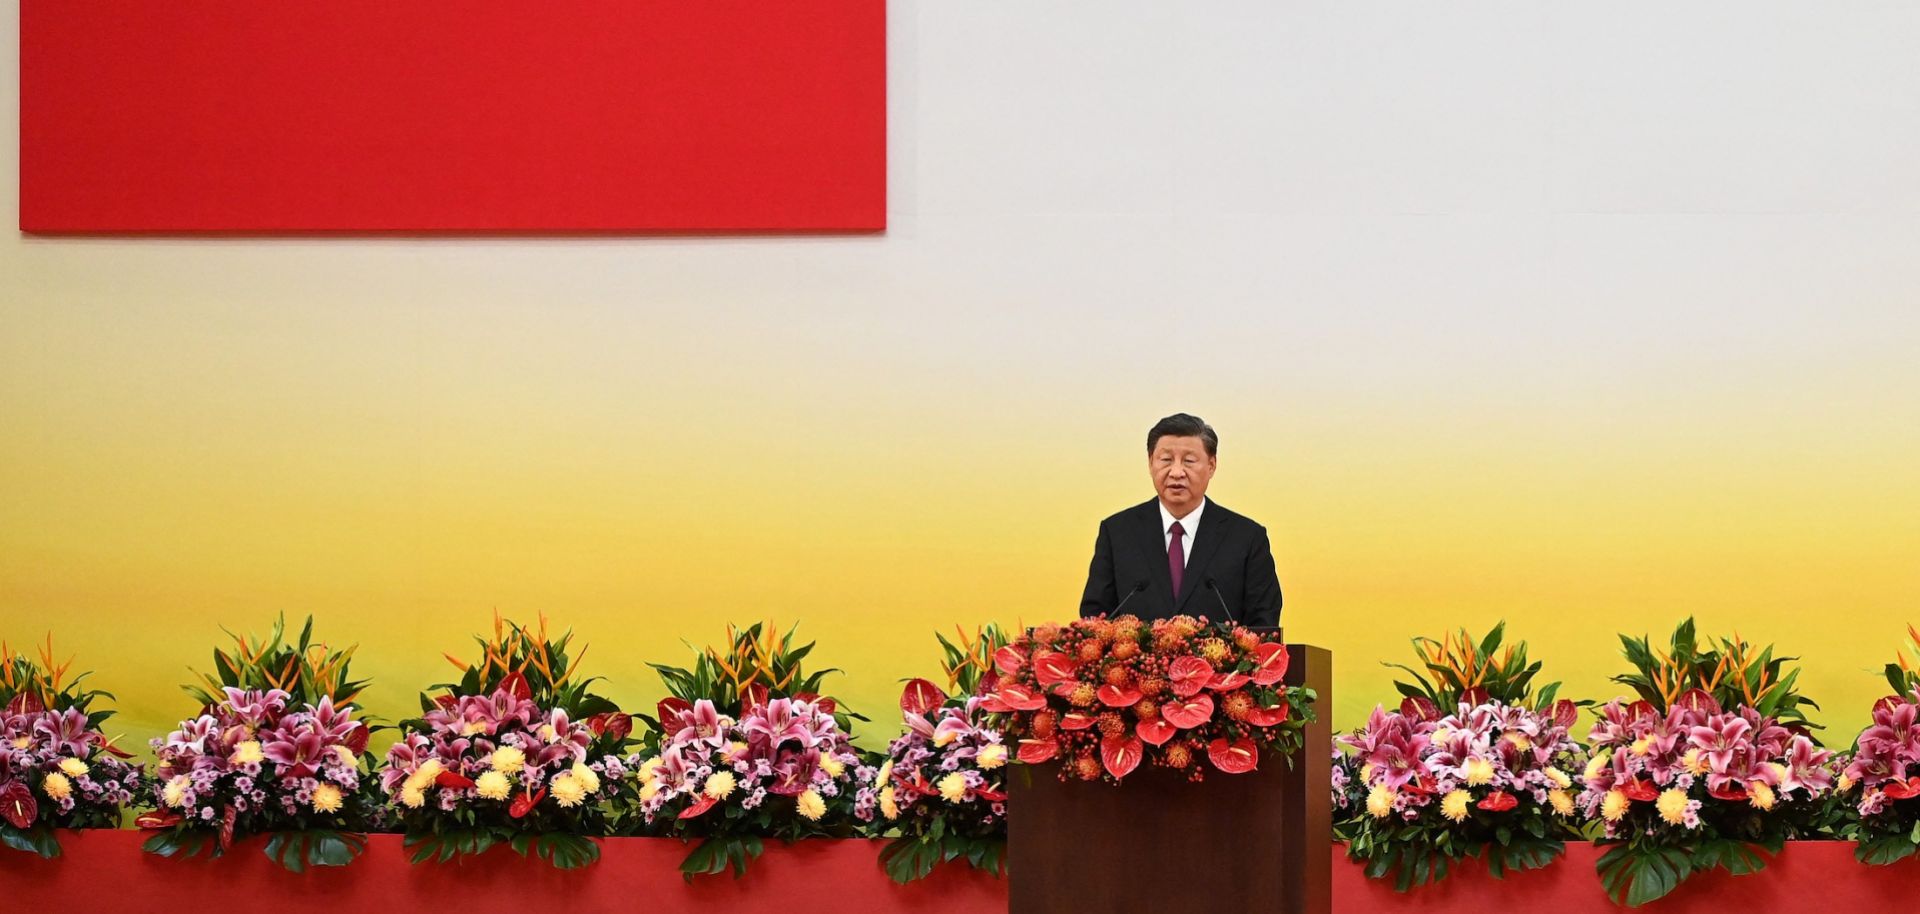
<point x="1153" y="545"/>
<point x="1205" y="541"/>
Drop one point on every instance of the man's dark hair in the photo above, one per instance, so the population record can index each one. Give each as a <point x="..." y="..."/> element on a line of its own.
<point x="1181" y="425"/>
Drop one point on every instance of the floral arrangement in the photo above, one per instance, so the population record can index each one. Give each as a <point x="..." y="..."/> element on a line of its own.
<point x="744" y="749"/>
<point x="1494" y="778"/>
<point x="783" y="769"/>
<point x="1885" y="770"/>
<point x="941" y="788"/>
<point x="519" y="752"/>
<point x="1682" y="782"/>
<point x="1104" y="695"/>
<point x="57" y="770"/>
<point x="276" y="750"/>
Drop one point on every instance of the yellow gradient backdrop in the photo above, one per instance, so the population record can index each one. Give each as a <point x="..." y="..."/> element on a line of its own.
<point x="1462" y="370"/>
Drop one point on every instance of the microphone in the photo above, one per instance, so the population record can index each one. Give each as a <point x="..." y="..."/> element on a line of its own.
<point x="1223" y="600"/>
<point x="1138" y="586"/>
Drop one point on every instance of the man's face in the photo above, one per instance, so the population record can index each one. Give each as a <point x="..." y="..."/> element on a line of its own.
<point x="1181" y="470"/>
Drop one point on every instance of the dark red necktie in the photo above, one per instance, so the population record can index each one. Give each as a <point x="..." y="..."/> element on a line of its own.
<point x="1176" y="558"/>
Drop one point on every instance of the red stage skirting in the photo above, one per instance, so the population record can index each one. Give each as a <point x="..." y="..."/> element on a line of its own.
<point x="106" y="871"/>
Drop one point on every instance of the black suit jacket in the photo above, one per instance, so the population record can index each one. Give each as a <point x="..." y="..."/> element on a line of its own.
<point x="1229" y="549"/>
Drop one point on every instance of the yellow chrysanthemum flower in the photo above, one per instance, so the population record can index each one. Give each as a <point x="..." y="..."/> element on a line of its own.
<point x="1559" y="778"/>
<point x="889" y="803"/>
<point x="175" y="793"/>
<point x="326" y="798"/>
<point x="1440" y="735"/>
<point x="649" y="790"/>
<point x="1614" y="806"/>
<point x="1520" y="741"/>
<point x="1366" y="772"/>
<point x="1561" y="801"/>
<point x="1643" y="745"/>
<point x="720" y="785"/>
<point x="346" y="755"/>
<point x="1844" y="784"/>
<point x="507" y="760"/>
<point x="1380" y="801"/>
<point x="1672" y="804"/>
<point x="1598" y="764"/>
<point x="1781" y="772"/>
<point x="567" y="790"/>
<point x="953" y="787"/>
<point x="247" y="752"/>
<point x="1760" y="794"/>
<point x="1454" y="805"/>
<point x="413" y="797"/>
<point x="56" y="785"/>
<point x="811" y="806"/>
<point x="587" y="777"/>
<point x="492" y="785"/>
<point x="422" y="777"/>
<point x="991" y="756"/>
<point x="1694" y="762"/>
<point x="73" y="767"/>
<point x="832" y="766"/>
<point x="1479" y="771"/>
<point x="944" y="738"/>
<point x="650" y="769"/>
<point x="886" y="771"/>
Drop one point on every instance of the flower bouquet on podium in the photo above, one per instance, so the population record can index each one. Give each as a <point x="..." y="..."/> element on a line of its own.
<point x="519" y="752"/>
<point x="1474" y="764"/>
<point x="1103" y="696"/>
<point x="57" y="770"/>
<point x="276" y="749"/>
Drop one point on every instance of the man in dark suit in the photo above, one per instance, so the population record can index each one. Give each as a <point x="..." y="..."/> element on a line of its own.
<point x="1181" y="554"/>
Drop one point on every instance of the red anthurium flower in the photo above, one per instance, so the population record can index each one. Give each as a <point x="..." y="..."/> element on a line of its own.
<point x="1010" y="659"/>
<point x="1188" y="713"/>
<point x="452" y="780"/>
<point x="166" y="818"/>
<point x="991" y="796"/>
<point x="1189" y="675"/>
<point x="515" y="684"/>
<point x="525" y="802"/>
<point x="24" y="703"/>
<point x="1641" y="790"/>
<point x="705" y="803"/>
<point x="1497" y="801"/>
<point x="1035" y="751"/>
<point x="1565" y="713"/>
<point x="1227" y="682"/>
<point x="1237" y="757"/>
<point x="228" y="817"/>
<point x="1017" y="697"/>
<point x="17" y="805"/>
<point x="1698" y="701"/>
<point x="1903" y="790"/>
<point x="1267" y="717"/>
<point x="1156" y="731"/>
<point x="611" y="723"/>
<point x="1419" y="709"/>
<point x="1076" y="720"/>
<point x="921" y="696"/>
<point x="1731" y="790"/>
<point x="671" y="708"/>
<point x="1269" y="663"/>
<point x="1888" y="705"/>
<point x="1120" y="755"/>
<point x="1642" y="708"/>
<point x="825" y="705"/>
<point x="1114" y="696"/>
<point x="1475" y="696"/>
<point x="757" y="695"/>
<point x="1053" y="668"/>
<point x="447" y="701"/>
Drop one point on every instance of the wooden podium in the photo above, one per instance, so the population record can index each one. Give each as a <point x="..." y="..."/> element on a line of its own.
<point x="1260" y="842"/>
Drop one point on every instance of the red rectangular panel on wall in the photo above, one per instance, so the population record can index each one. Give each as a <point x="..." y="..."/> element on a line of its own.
<point x="473" y="116"/>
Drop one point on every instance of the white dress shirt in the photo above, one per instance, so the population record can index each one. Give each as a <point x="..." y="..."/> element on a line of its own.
<point x="1189" y="525"/>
